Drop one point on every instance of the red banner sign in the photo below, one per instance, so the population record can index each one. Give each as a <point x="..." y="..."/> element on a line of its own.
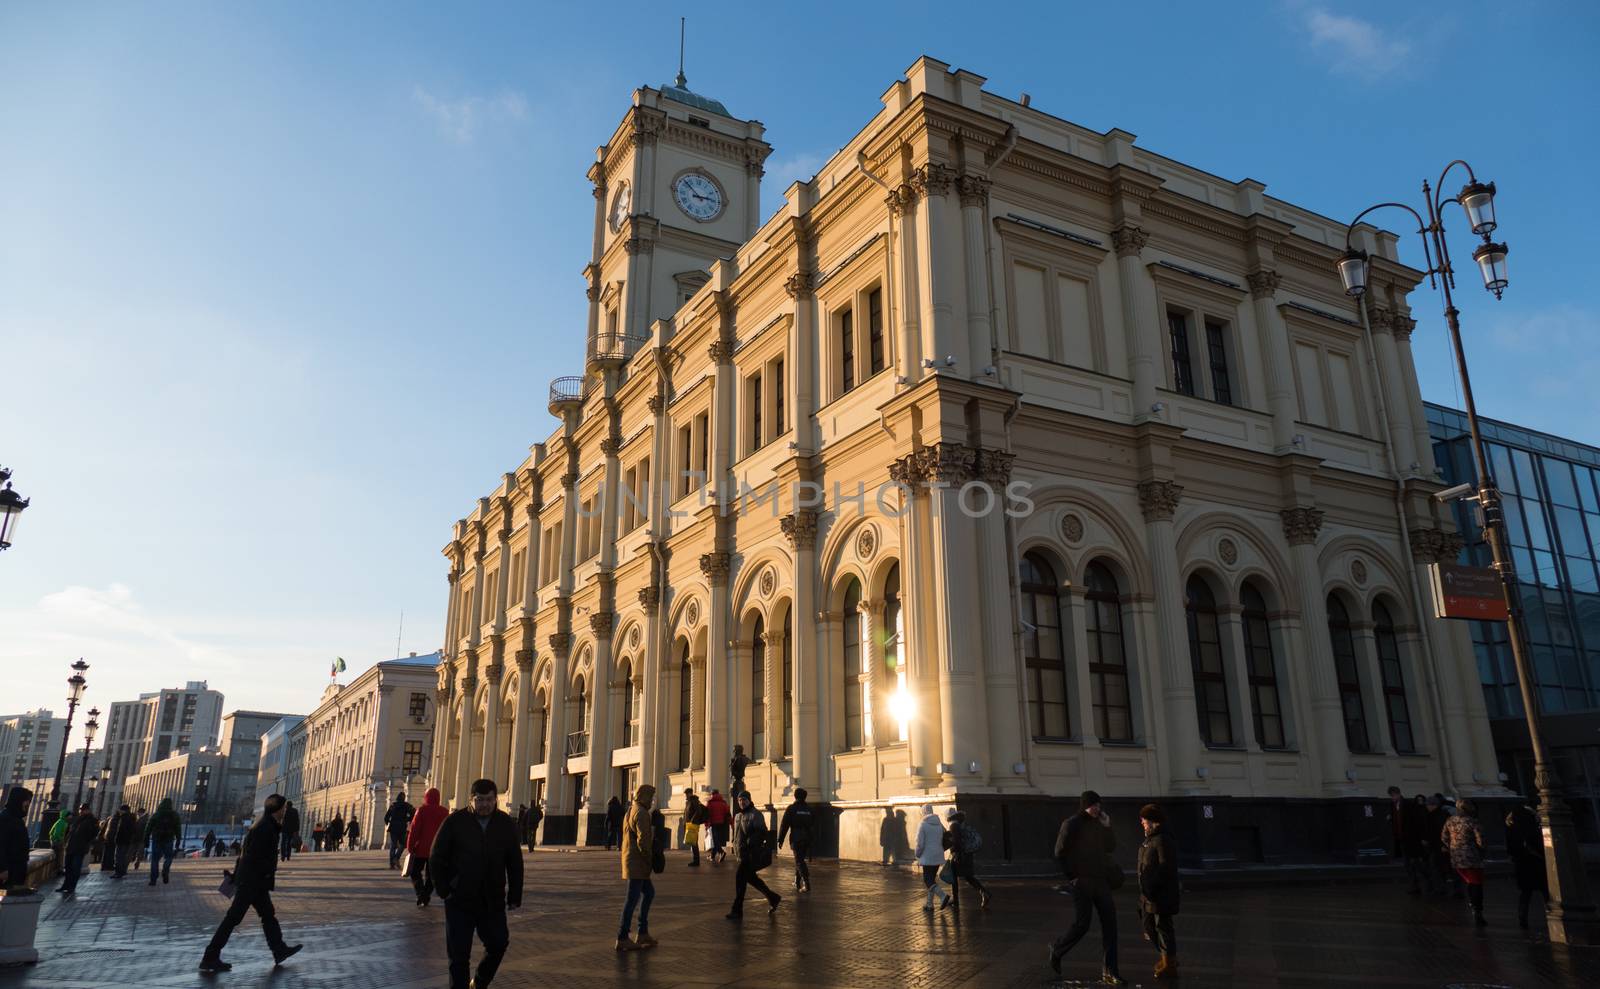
<point x="1468" y="592"/>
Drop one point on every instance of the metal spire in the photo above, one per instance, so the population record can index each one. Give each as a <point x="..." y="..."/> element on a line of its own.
<point x="682" y="82"/>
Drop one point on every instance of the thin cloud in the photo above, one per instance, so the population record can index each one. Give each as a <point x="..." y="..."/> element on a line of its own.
<point x="461" y="120"/>
<point x="1352" y="44"/>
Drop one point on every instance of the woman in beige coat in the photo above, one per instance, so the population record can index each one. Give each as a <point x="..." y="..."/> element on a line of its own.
<point x="638" y="839"/>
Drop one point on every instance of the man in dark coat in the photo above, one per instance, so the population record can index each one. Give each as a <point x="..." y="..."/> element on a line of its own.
<point x="334" y="834"/>
<point x="127" y="834"/>
<point x="397" y="819"/>
<point x="161" y="832"/>
<point x="1525" y="844"/>
<point x="81" y="833"/>
<point x="1159" y="888"/>
<point x="1083" y="847"/>
<point x="254" y="876"/>
<point x="535" y="815"/>
<point x="291" y="830"/>
<point x="14" y="842"/>
<point x="476" y="865"/>
<point x="799" y="827"/>
<point x="736" y="768"/>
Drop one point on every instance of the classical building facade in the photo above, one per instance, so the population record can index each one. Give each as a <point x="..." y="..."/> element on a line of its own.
<point x="365" y="741"/>
<point x="1007" y="458"/>
<point x="277" y="747"/>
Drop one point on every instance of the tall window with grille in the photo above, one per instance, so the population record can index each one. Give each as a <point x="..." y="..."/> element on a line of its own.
<point x="758" y="691"/>
<point x="894" y="646"/>
<point x="875" y="330"/>
<point x="779" y="390"/>
<point x="850" y="651"/>
<point x="685" y="707"/>
<point x="788" y="683"/>
<point x="1108" y="661"/>
<point x="630" y="709"/>
<point x="847" y="351"/>
<point x="1217" y="354"/>
<point x="1394" y="681"/>
<point x="1043" y="654"/>
<point x="1263" y="669"/>
<point x="1178" y="346"/>
<point x="418" y="707"/>
<point x="1347" y="670"/>
<point x="753" y="391"/>
<point x="411" y="761"/>
<point x="1205" y="659"/>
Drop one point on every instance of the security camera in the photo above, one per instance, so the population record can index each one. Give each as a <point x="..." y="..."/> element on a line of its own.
<point x="991" y="370"/>
<point x="1456" y="493"/>
<point x="1158" y="408"/>
<point x="949" y="360"/>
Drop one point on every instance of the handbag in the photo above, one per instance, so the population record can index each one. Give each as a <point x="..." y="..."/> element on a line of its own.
<point x="227" y="887"/>
<point x="691" y="834"/>
<point x="405" y="863"/>
<point x="947" y="873"/>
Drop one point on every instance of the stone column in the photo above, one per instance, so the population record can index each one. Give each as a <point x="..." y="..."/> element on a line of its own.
<point x="1158" y="500"/>
<point x="933" y="183"/>
<point x="522" y="730"/>
<point x="874" y="705"/>
<point x="828" y="719"/>
<point x="1379" y="739"/>
<point x="1396" y="400"/>
<point x="1000" y="669"/>
<point x="557" y="793"/>
<point x="903" y="219"/>
<point x="1141" y="326"/>
<point x="1326" y="738"/>
<point x="802" y="378"/>
<point x="1465" y="723"/>
<point x="974" y="192"/>
<point x="772" y="691"/>
<point x="1230" y="622"/>
<point x="958" y="641"/>
<point x="697" y="712"/>
<point x="495" y="675"/>
<point x="1276" y="360"/>
<point x="752" y="191"/>
<point x="921" y="646"/>
<point x="469" y="716"/>
<point x="601" y="785"/>
<point x="809" y="754"/>
<point x="1421" y="442"/>
<point x="440" y="763"/>
<point x="653" y="739"/>
<point x="718" y="677"/>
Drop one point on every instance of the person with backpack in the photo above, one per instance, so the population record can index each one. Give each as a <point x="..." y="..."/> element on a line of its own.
<point x="718" y="816"/>
<point x="424" y="828"/>
<point x="694" y="818"/>
<point x="799" y="827"/>
<point x="161" y="832"/>
<point x="930" y="856"/>
<point x="753" y="841"/>
<point x="1084" y="846"/>
<point x="1159" y="888"/>
<point x="963" y="842"/>
<point x="638" y="844"/>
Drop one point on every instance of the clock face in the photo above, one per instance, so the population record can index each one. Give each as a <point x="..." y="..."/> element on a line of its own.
<point x="621" y="203"/>
<point x="698" y="196"/>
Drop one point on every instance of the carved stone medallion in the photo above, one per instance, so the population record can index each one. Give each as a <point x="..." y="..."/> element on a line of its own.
<point x="1228" y="551"/>
<point x="1072" y="529"/>
<point x="769" y="581"/>
<point x="1358" y="571"/>
<point x="691" y="614"/>
<point x="867" y="543"/>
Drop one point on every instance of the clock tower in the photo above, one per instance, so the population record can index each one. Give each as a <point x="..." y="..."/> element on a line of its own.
<point x="677" y="187"/>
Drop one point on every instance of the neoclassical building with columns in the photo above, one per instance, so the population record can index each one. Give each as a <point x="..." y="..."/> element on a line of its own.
<point x="1006" y="459"/>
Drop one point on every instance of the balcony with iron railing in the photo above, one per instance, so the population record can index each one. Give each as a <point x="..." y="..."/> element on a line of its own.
<point x="566" y="390"/>
<point x="615" y="346"/>
<point x="577" y="744"/>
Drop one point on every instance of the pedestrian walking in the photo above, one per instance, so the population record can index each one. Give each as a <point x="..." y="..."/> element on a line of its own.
<point x="108" y="845"/>
<point x="334" y="835"/>
<point x="1159" y="888"/>
<point x="1525" y="846"/>
<point x="319" y="834"/>
<point x="719" y="817"/>
<point x="1407" y="821"/>
<point x="476" y="863"/>
<point x="736" y="768"/>
<point x="639" y="849"/>
<point x="126" y="835"/>
<point x="752" y="839"/>
<point x="419" y="842"/>
<point x="694" y="818"/>
<point x="963" y="842"/>
<point x="535" y="815"/>
<point x="396" y="821"/>
<point x="1084" y="846"/>
<point x="140" y="818"/>
<point x="161" y="833"/>
<point x="353" y="834"/>
<point x="210" y="843"/>
<point x="522" y="823"/>
<point x="80" y="836"/>
<point x="614" y="817"/>
<point x="14" y="837"/>
<point x="1463" y="836"/>
<point x="889" y="836"/>
<point x="929" y="852"/>
<point x="289" y="840"/>
<point x="254" y="877"/>
<point x="799" y="828"/>
<point x="58" y="835"/>
<point x="1436" y="855"/>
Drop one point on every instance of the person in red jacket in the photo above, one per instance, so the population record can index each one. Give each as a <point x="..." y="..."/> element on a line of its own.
<point x="424" y="826"/>
<point x="718" y="816"/>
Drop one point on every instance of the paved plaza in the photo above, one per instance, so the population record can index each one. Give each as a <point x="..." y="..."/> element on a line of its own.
<point x="862" y="927"/>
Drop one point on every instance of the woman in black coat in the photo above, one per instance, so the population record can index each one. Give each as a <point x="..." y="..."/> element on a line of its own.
<point x="1159" y="888"/>
<point x="1526" y="847"/>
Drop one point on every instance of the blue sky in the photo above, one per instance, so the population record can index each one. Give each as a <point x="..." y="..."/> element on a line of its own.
<point x="282" y="286"/>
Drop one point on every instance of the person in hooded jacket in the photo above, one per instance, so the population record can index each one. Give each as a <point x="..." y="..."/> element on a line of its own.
<point x="476" y="863"/>
<point x="718" y="816"/>
<point x="638" y="843"/>
<point x="1525" y="844"/>
<point x="751" y="837"/>
<point x="1159" y="888"/>
<point x="694" y="818"/>
<point x="254" y="877"/>
<point x="80" y="835"/>
<point x="161" y="832"/>
<point x="424" y="826"/>
<point x="614" y="815"/>
<point x="960" y="840"/>
<point x="14" y="837"/>
<point x="799" y="826"/>
<point x="889" y="836"/>
<point x="210" y="843"/>
<point x="58" y="835"/>
<point x="929" y="852"/>
<point x="1083" y="847"/>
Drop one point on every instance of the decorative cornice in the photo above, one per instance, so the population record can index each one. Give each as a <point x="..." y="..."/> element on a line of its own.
<point x="715" y="566"/>
<point x="1128" y="241"/>
<point x="800" y="528"/>
<point x="1158" y="500"/>
<point x="1263" y="283"/>
<point x="721" y="351"/>
<point x="973" y="190"/>
<point x="1301" y="525"/>
<point x="800" y="283"/>
<point x="601" y="623"/>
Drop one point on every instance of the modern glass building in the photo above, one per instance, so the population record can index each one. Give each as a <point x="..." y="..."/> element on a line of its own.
<point x="1551" y="490"/>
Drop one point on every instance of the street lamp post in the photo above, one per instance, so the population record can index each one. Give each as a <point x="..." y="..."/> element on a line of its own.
<point x="1572" y="913"/>
<point x="75" y="684"/>
<point x="90" y="728"/>
<point x="100" y="790"/>
<point x="11" y="506"/>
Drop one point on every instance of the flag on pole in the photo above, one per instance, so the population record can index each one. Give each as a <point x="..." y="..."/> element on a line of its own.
<point x="338" y="666"/>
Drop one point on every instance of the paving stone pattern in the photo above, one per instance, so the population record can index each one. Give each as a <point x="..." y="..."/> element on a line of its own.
<point x="862" y="927"/>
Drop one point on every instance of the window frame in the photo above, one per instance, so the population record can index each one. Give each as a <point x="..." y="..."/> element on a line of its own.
<point x="1045" y="590"/>
<point x="1097" y="661"/>
<point x="1386" y="640"/>
<point x="1203" y="618"/>
<point x="1342" y="630"/>
<point x="1258" y="651"/>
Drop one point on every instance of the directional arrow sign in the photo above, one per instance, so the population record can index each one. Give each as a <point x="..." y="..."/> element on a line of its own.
<point x="1468" y="592"/>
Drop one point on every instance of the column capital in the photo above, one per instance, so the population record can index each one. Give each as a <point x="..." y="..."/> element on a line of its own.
<point x="611" y="446"/>
<point x="1158" y="500"/>
<point x="650" y="598"/>
<point x="494" y="672"/>
<point x="602" y="623"/>
<point x="1403" y="325"/>
<point x="469" y="683"/>
<point x="800" y="283"/>
<point x="524" y="658"/>
<point x="945" y="462"/>
<point x="715" y="566"/>
<point x="1301" y="525"/>
<point x="721" y="351"/>
<point x="560" y="642"/>
<point x="657" y="403"/>
<point x="994" y="466"/>
<point x="639" y="245"/>
<point x="1263" y="283"/>
<point x="901" y="200"/>
<point x="933" y="179"/>
<point x="1435" y="546"/>
<point x="800" y="528"/>
<point x="1128" y="240"/>
<point x="569" y="480"/>
<point x="973" y="190"/>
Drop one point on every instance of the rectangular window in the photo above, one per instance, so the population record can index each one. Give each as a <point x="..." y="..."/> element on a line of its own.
<point x="847" y="351"/>
<point x="1182" y="370"/>
<point x="778" y="389"/>
<point x="875" y="331"/>
<point x="643" y="499"/>
<point x="419" y="704"/>
<point x="630" y="486"/>
<point x="753" y="395"/>
<point x="685" y="459"/>
<point x="1221" y="390"/>
<point x="702" y="425"/>
<point x="412" y="762"/>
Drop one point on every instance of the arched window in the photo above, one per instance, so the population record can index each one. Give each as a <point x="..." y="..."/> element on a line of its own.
<point x="1205" y="658"/>
<point x="1394" y="681"/>
<point x="758" y="690"/>
<point x="1347" y="670"/>
<point x="630" y="710"/>
<point x="1108" y="661"/>
<point x="685" y="706"/>
<point x="788" y="682"/>
<point x="894" y="650"/>
<point x="1044" y="658"/>
<point x="854" y="683"/>
<point x="1263" y="670"/>
<point x="541" y="750"/>
<point x="578" y="740"/>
